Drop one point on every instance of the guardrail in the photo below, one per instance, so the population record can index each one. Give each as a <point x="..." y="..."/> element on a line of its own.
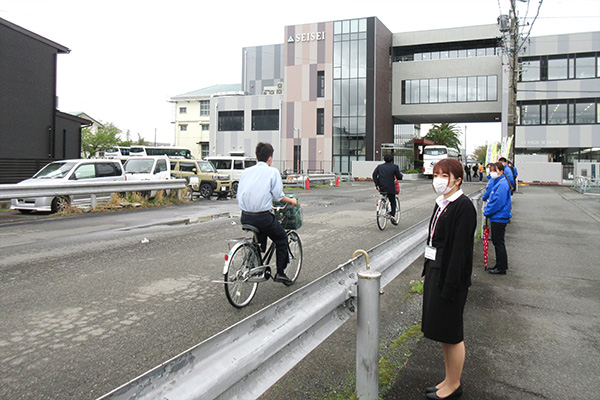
<point x="244" y="360"/>
<point x="8" y="192"/>
<point x="314" y="179"/>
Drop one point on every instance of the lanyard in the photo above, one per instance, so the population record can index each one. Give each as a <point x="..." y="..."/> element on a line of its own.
<point x="433" y="225"/>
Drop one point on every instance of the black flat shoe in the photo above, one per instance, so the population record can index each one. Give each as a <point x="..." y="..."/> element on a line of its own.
<point x="431" y="389"/>
<point x="496" y="271"/>
<point x="454" y="395"/>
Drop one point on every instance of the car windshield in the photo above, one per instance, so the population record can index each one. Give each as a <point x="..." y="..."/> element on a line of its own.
<point x="206" y="166"/>
<point x="436" y="152"/>
<point x="136" y="166"/>
<point x="55" y="170"/>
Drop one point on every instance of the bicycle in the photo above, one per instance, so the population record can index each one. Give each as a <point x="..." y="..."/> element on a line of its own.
<point x="246" y="266"/>
<point x="384" y="210"/>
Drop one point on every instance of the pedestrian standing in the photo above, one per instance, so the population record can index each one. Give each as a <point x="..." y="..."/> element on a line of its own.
<point x="475" y="169"/>
<point x="497" y="210"/>
<point x="480" y="172"/>
<point x="447" y="271"/>
<point x="468" y="172"/>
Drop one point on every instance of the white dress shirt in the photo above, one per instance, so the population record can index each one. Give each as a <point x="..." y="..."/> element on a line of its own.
<point x="259" y="186"/>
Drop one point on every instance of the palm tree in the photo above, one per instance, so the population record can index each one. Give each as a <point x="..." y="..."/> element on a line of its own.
<point x="445" y="134"/>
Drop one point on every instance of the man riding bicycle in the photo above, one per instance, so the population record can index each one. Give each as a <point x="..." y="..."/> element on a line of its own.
<point x="383" y="177"/>
<point x="259" y="186"/>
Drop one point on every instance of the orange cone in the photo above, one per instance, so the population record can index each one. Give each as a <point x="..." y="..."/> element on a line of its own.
<point x="337" y="180"/>
<point x="307" y="187"/>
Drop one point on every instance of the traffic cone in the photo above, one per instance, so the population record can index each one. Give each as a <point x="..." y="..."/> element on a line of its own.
<point x="307" y="186"/>
<point x="337" y="180"/>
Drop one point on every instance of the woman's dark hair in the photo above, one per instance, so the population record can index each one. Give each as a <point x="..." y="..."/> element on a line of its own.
<point x="449" y="166"/>
<point x="491" y="166"/>
<point x="388" y="158"/>
<point x="499" y="167"/>
<point x="264" y="151"/>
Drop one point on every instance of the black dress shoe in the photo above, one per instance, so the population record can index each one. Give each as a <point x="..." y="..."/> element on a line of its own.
<point x="431" y="389"/>
<point x="454" y="395"/>
<point x="496" y="271"/>
<point x="282" y="278"/>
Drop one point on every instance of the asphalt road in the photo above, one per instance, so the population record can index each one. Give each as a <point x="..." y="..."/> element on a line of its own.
<point x="86" y="306"/>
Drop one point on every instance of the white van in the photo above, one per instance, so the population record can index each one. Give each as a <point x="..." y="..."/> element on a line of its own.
<point x="148" y="168"/>
<point x="232" y="165"/>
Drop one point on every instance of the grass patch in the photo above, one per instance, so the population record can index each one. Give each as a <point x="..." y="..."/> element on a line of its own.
<point x="416" y="286"/>
<point x="395" y="356"/>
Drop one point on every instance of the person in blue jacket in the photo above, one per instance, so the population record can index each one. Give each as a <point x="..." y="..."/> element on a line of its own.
<point x="508" y="173"/>
<point x="498" y="212"/>
<point x="492" y="175"/>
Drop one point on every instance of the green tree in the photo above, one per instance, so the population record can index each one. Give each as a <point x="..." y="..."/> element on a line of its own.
<point x="480" y="153"/>
<point x="445" y="134"/>
<point x="106" y="137"/>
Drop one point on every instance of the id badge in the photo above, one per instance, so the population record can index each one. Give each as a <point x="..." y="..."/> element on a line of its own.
<point x="430" y="252"/>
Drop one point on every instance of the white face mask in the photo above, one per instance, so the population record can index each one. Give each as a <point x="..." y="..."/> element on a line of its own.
<point x="493" y="175"/>
<point x="441" y="185"/>
<point x="487" y="171"/>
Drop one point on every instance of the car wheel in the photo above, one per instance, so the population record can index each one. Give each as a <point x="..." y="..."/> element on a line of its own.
<point x="234" y="188"/>
<point x="206" y="190"/>
<point x="60" y="204"/>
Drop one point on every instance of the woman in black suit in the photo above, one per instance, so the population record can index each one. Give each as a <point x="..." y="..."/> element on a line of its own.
<point x="448" y="267"/>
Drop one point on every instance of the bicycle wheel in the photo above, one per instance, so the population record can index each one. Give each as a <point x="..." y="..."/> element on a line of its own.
<point x="382" y="209"/>
<point x="295" y="249"/>
<point x="396" y="219"/>
<point x="238" y="290"/>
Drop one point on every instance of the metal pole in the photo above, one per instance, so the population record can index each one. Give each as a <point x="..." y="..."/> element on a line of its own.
<point x="367" y="333"/>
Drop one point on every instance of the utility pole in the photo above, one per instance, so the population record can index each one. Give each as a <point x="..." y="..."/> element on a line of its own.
<point x="513" y="53"/>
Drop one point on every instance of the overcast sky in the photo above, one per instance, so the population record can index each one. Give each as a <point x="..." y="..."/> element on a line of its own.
<point x="129" y="57"/>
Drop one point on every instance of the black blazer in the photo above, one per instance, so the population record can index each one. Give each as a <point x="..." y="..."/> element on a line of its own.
<point x="383" y="176"/>
<point x="458" y="220"/>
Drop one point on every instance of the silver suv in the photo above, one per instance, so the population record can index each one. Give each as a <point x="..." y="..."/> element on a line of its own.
<point x="65" y="172"/>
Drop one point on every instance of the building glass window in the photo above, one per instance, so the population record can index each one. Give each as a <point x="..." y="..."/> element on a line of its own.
<point x="450" y="90"/>
<point x="183" y="127"/>
<point x="557" y="114"/>
<point x="558" y="68"/>
<point x="349" y="93"/>
<point x="320" y="121"/>
<point x="585" y="112"/>
<point x="182" y="110"/>
<point x="320" y="83"/>
<point x="443" y="90"/>
<point x="265" y="120"/>
<point x="492" y="88"/>
<point x="231" y="121"/>
<point x="205" y="127"/>
<point x="585" y="67"/>
<point x="204" y="149"/>
<point x="204" y="107"/>
<point x="530" y="114"/>
<point x="471" y="88"/>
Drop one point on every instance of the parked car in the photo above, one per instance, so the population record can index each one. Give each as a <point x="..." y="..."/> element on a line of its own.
<point x="148" y="168"/>
<point x="232" y="165"/>
<point x="66" y="172"/>
<point x="209" y="182"/>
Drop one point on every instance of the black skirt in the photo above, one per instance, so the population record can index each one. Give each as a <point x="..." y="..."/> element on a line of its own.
<point x="442" y="319"/>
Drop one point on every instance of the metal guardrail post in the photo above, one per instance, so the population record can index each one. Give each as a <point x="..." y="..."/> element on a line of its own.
<point x="367" y="333"/>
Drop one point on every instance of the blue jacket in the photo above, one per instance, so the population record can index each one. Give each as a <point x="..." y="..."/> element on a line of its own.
<point x="509" y="176"/>
<point x="498" y="207"/>
<point x="489" y="187"/>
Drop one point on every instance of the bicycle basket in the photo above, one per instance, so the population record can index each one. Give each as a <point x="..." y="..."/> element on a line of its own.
<point x="290" y="217"/>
